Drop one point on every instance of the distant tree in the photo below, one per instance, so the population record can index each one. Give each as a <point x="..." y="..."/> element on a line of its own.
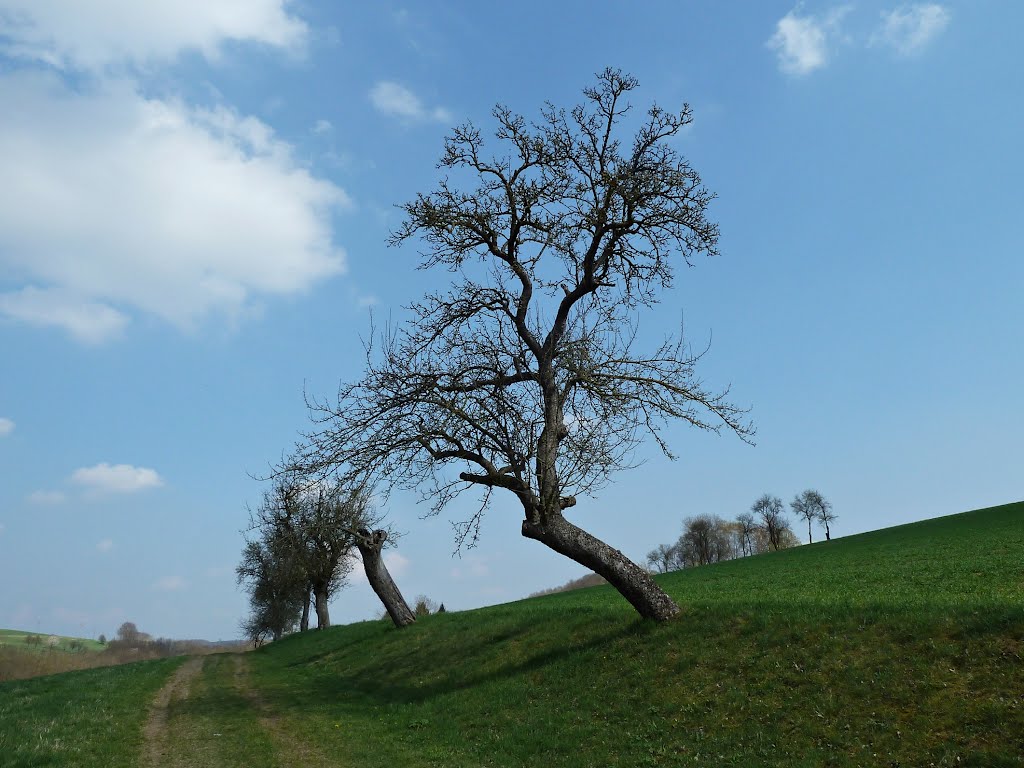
<point x="523" y="377"/>
<point x="128" y="634"/>
<point x="705" y="539"/>
<point x="276" y="587"/>
<point x="424" y="606"/>
<point x="103" y="639"/>
<point x="771" y="511"/>
<point x="826" y="516"/>
<point x="746" y="530"/>
<point x="805" y="506"/>
<point x="663" y="558"/>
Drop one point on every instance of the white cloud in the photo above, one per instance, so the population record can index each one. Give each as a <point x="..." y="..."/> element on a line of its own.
<point x="117" y="478"/>
<point x="803" y="43"/>
<point x="104" y="545"/>
<point x="97" y="34"/>
<point x="368" y="300"/>
<point x="46" y="498"/>
<point x="6" y="426"/>
<point x="321" y="127"/>
<point x="396" y="100"/>
<point x="909" y="28"/>
<point x="169" y="584"/>
<point x="114" y="203"/>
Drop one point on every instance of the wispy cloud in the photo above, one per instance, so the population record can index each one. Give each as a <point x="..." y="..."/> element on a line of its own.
<point x="804" y="43"/>
<point x="87" y="321"/>
<point x="46" y="498"/>
<point x="6" y="426"/>
<point x="910" y="28"/>
<point x="104" y="545"/>
<point x="169" y="584"/>
<point x="321" y="127"/>
<point x="116" y="478"/>
<point x="395" y="100"/>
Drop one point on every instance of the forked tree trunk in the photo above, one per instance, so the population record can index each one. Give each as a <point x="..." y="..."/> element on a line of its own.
<point x="370" y="546"/>
<point x="323" y="614"/>
<point x="304" y="622"/>
<point x="633" y="582"/>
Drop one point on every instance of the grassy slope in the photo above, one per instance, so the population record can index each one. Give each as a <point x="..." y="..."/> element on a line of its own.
<point x="898" y="647"/>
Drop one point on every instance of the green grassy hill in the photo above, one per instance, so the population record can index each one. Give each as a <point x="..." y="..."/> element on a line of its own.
<point x="15" y="638"/>
<point x="901" y="647"/>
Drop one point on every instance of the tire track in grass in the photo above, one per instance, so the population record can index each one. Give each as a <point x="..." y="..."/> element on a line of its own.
<point x="157" y="751"/>
<point x="292" y="752"/>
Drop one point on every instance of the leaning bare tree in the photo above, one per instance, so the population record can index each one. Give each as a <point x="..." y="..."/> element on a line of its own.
<point x="524" y="376"/>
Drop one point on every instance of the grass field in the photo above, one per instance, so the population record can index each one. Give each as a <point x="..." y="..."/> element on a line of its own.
<point x="902" y="647"/>
<point x="15" y="638"/>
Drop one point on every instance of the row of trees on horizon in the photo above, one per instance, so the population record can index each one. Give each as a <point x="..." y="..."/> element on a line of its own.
<point x="710" y="539"/>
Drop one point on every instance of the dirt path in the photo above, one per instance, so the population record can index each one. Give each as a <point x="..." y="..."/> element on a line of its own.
<point x="210" y="714"/>
<point x="157" y="750"/>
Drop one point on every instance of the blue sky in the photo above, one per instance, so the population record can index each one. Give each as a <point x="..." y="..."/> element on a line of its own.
<point x="193" y="216"/>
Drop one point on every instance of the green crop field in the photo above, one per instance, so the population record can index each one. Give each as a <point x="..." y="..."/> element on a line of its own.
<point x="16" y="638"/>
<point x="901" y="647"/>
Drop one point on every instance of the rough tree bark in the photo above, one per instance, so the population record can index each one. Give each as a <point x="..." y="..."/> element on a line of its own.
<point x="323" y="614"/>
<point x="370" y="544"/>
<point x="632" y="581"/>
<point x="304" y="622"/>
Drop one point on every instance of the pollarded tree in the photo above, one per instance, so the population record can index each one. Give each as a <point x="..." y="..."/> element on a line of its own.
<point x="524" y="376"/>
<point x="771" y="512"/>
<point x="371" y="546"/>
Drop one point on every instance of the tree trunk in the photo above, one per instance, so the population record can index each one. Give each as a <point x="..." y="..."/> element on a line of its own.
<point x="370" y="546"/>
<point x="633" y="582"/>
<point x="828" y="533"/>
<point x="323" y="614"/>
<point x="809" y="539"/>
<point x="304" y="622"/>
